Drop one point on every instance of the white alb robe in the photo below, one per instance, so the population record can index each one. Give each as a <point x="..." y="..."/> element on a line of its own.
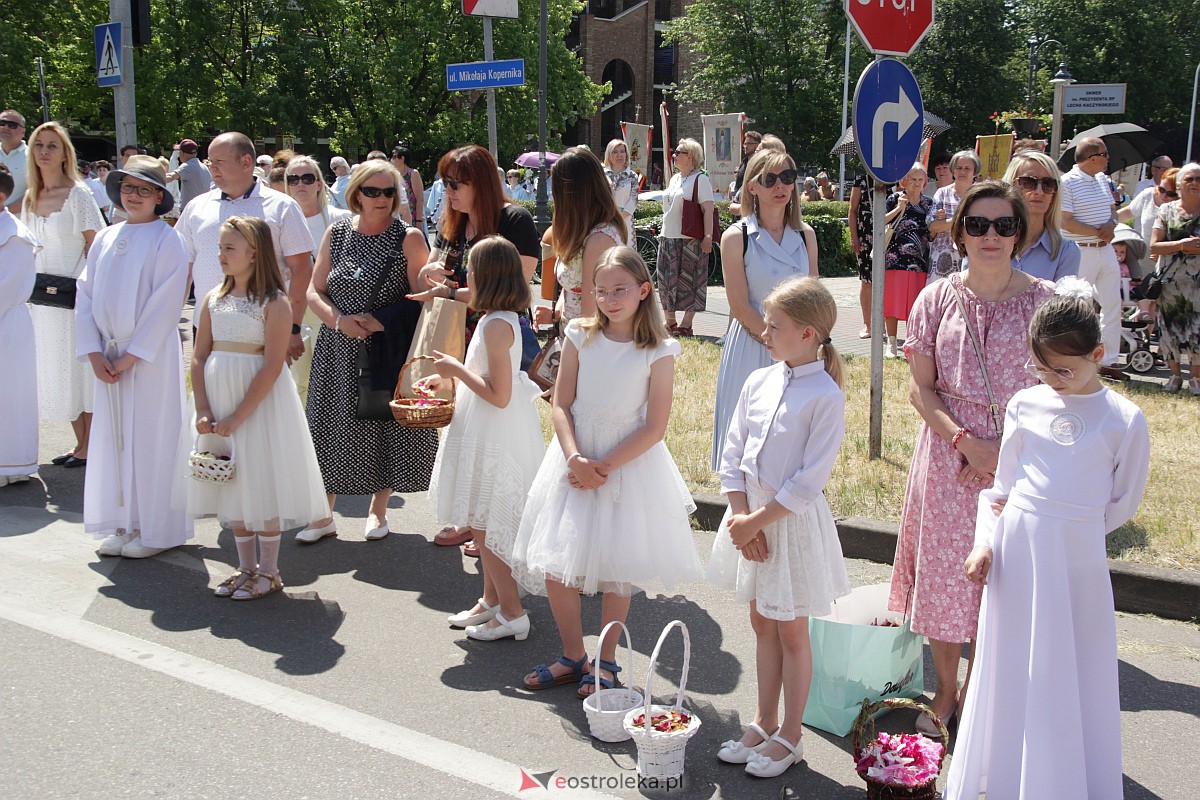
<point x="129" y="301"/>
<point x="18" y="353"/>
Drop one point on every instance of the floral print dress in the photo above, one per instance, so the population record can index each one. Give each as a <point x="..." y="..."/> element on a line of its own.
<point x="1179" y="304"/>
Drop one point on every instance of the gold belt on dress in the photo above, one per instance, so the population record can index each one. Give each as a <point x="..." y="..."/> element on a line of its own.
<point x="239" y="347"/>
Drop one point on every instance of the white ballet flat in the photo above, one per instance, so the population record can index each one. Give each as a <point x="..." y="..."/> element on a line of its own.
<point x="378" y="533"/>
<point x="313" y="535"/>
<point x="465" y="619"/>
<point x="761" y="766"/>
<point x="734" y="752"/>
<point x="517" y="628"/>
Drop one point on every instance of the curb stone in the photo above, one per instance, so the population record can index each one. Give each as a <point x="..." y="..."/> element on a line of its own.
<point x="1137" y="588"/>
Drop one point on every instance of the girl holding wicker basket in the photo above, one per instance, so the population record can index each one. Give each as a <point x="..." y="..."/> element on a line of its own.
<point x="608" y="510"/>
<point x="1042" y="716"/>
<point x="492" y="449"/>
<point x="777" y="546"/>
<point x="245" y="396"/>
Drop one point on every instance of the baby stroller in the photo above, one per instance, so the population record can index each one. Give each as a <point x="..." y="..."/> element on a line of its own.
<point x="1135" y="339"/>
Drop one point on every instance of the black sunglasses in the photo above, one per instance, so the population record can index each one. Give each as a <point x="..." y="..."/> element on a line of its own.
<point x="788" y="176"/>
<point x="1168" y="194"/>
<point x="1028" y="183"/>
<point x="375" y="191"/>
<point x="307" y="180"/>
<point x="8" y="123"/>
<point x="978" y="226"/>
<point x="1101" y="154"/>
<point x="451" y="183"/>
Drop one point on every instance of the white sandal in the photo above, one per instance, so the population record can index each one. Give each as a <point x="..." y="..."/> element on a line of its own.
<point x="734" y="752"/>
<point x="761" y="766"/>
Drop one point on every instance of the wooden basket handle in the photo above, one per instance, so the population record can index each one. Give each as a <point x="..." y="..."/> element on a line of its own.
<point x="868" y="710"/>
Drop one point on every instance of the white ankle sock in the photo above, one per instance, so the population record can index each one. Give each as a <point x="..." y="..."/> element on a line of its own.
<point x="268" y="553"/>
<point x="245" y="551"/>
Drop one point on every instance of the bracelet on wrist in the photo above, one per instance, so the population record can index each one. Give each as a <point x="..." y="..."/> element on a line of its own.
<point x="572" y="456"/>
<point x="958" y="435"/>
<point x="337" y="324"/>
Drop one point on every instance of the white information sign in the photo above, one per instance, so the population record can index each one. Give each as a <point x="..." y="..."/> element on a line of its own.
<point x="1094" y="98"/>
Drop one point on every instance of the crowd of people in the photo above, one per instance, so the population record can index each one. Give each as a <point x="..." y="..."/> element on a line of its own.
<point x="1005" y="351"/>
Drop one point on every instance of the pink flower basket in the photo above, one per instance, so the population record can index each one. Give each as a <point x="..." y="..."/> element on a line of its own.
<point x="898" y="766"/>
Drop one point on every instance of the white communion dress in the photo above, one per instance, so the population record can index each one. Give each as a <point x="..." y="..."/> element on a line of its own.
<point x="489" y="455"/>
<point x="18" y="357"/>
<point x="783" y="440"/>
<point x="632" y="532"/>
<point x="276" y="484"/>
<point x="1042" y="716"/>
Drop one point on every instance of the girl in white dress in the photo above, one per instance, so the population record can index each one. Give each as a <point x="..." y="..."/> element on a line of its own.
<point x="18" y="359"/>
<point x="1042" y="715"/>
<point x="492" y="449"/>
<point x="243" y="392"/>
<point x="608" y="510"/>
<point x="127" y="310"/>
<point x="783" y="439"/>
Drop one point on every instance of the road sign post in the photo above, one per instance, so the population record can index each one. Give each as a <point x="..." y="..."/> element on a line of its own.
<point x="488" y="9"/>
<point x="888" y="126"/>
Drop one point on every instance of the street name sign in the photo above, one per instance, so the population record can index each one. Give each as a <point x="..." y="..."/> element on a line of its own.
<point x="485" y="75"/>
<point x="108" y="54"/>
<point x="1094" y="98"/>
<point x="888" y="119"/>
<point x="505" y="9"/>
<point x="891" y="27"/>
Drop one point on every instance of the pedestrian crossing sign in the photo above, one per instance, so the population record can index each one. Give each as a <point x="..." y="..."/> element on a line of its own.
<point x="108" y="54"/>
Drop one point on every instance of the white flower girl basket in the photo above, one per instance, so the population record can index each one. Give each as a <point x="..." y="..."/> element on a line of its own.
<point x="211" y="467"/>
<point x="606" y="708"/>
<point x="660" y="755"/>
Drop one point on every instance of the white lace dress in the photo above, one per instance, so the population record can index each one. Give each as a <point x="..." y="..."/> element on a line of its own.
<point x="277" y="484"/>
<point x="65" y="385"/>
<point x="489" y="455"/>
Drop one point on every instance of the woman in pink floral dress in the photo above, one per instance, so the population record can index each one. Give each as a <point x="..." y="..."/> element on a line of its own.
<point x="955" y="454"/>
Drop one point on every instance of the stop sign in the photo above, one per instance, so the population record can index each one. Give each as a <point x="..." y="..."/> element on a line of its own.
<point x="891" y="27"/>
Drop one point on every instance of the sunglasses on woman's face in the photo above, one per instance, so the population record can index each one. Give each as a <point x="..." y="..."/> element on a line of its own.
<point x="308" y="179"/>
<point x="788" y="177"/>
<point x="453" y="184"/>
<point x="375" y="191"/>
<point x="1029" y="183"/>
<point x="978" y="226"/>
<point x="1167" y="192"/>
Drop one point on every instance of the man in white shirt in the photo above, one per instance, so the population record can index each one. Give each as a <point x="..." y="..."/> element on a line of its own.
<point x="194" y="178"/>
<point x="238" y="194"/>
<point x="13" y="154"/>
<point x="1157" y="167"/>
<point x="1088" y="219"/>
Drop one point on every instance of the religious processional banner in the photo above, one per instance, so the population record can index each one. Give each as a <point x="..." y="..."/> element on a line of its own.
<point x="722" y="149"/>
<point x="637" y="143"/>
<point x="994" y="152"/>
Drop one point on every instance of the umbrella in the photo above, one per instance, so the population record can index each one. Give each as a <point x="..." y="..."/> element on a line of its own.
<point x="933" y="125"/>
<point x="1127" y="144"/>
<point x="534" y="160"/>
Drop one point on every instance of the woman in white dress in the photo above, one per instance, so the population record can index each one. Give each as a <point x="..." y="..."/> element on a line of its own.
<point x="624" y="182"/>
<point x="769" y="246"/>
<point x="62" y="214"/>
<point x="1042" y="716"/>
<point x="18" y="364"/>
<point x="302" y="179"/>
<point x="126" y="316"/>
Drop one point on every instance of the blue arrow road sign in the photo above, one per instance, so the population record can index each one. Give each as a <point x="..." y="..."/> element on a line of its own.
<point x="485" y="75"/>
<point x="888" y="119"/>
<point x="108" y="54"/>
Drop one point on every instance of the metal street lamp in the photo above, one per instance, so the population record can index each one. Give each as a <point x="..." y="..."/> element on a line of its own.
<point x="1192" y="120"/>
<point x="1061" y="80"/>
<point x="1035" y="47"/>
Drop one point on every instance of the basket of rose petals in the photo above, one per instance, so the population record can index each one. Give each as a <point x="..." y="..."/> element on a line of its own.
<point x="606" y="708"/>
<point x="898" y="766"/>
<point x="661" y="733"/>
<point x="424" y="410"/>
<point x="211" y="467"/>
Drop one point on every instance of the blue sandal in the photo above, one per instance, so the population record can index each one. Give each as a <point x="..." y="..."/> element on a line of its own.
<point x="593" y="676"/>
<point x="547" y="679"/>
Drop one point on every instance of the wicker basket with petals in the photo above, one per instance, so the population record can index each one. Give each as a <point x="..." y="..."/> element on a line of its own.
<point x="420" y="412"/>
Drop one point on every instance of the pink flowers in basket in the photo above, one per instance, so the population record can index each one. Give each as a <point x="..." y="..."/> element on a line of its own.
<point x="900" y="759"/>
<point x="425" y="396"/>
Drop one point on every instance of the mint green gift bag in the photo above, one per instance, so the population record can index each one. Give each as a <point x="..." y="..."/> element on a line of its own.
<point x="856" y="658"/>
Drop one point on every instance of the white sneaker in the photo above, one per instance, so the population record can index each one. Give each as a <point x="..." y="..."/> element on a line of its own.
<point x="135" y="549"/>
<point x="113" y="545"/>
<point x="312" y="535"/>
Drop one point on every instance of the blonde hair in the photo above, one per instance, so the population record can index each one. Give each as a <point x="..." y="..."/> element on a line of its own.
<point x="34" y="175"/>
<point x="772" y="142"/>
<point x="322" y="189"/>
<point x="764" y="161"/>
<point x="1053" y="218"/>
<point x="805" y="301"/>
<point x="364" y="173"/>
<point x="497" y="278"/>
<point x="649" y="330"/>
<point x="693" y="149"/>
<point x="266" y="280"/>
<point x="611" y="148"/>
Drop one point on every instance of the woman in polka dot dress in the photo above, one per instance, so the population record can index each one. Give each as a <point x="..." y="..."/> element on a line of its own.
<point x="364" y="456"/>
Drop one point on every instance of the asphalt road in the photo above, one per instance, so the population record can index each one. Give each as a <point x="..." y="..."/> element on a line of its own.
<point x="128" y="678"/>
